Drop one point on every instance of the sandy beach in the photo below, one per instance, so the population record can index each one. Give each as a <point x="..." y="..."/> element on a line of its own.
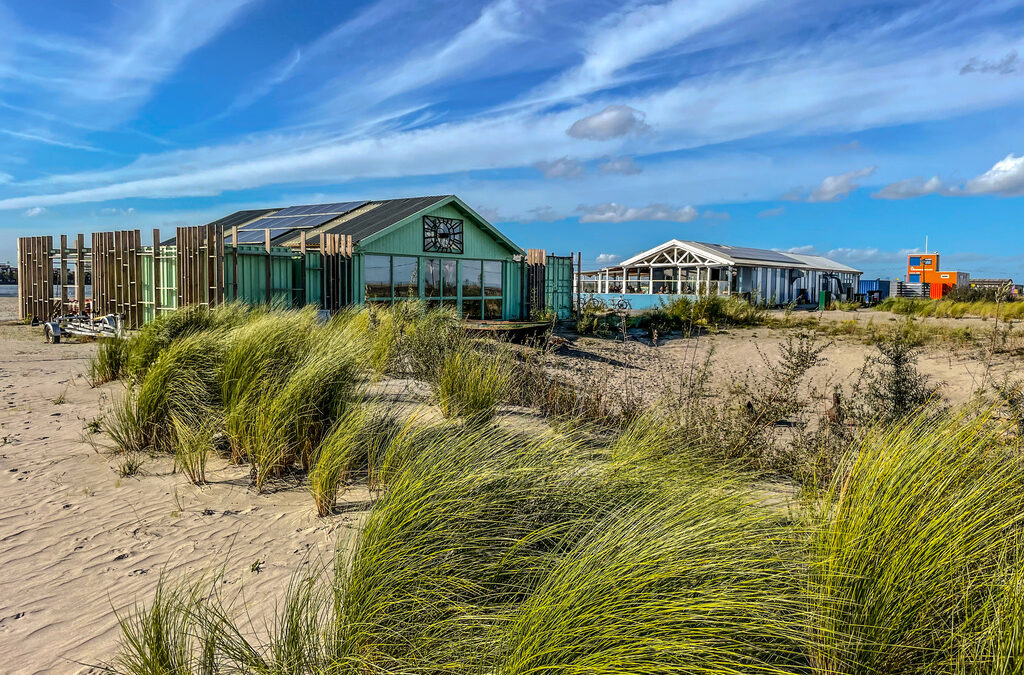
<point x="81" y="544"/>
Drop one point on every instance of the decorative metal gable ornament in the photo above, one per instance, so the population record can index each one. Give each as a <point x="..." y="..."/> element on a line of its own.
<point x="442" y="235"/>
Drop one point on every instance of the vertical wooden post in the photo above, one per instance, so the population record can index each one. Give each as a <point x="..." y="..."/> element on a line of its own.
<point x="136" y="273"/>
<point x="21" y="280"/>
<point x="63" y="274"/>
<point x="323" y="271"/>
<point x="234" y="262"/>
<point x="80" y="272"/>
<point x="218" y="263"/>
<point x="269" y="279"/>
<point x="156" y="272"/>
<point x="302" y="252"/>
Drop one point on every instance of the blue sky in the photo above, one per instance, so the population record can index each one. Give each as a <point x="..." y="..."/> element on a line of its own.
<point x="853" y="129"/>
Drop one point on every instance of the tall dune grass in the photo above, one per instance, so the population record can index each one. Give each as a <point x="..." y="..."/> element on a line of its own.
<point x="470" y="384"/>
<point x="355" y="445"/>
<point x="986" y="309"/>
<point x="181" y="381"/>
<point x="108" y="364"/>
<point x="915" y="538"/>
<point x="491" y="551"/>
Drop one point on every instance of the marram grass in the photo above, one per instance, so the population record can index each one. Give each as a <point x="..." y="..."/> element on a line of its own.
<point x="920" y="532"/>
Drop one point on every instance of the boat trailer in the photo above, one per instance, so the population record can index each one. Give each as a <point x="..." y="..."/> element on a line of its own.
<point x="81" y="325"/>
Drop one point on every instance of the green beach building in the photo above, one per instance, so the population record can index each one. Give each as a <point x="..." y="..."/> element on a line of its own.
<point x="434" y="248"/>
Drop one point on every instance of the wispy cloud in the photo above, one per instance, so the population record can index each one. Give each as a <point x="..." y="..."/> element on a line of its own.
<point x="34" y="211"/>
<point x="607" y="258"/>
<point x="111" y="74"/>
<point x="910" y="188"/>
<point x="635" y="35"/>
<point x="772" y="213"/>
<point x="49" y="140"/>
<point x="620" y="213"/>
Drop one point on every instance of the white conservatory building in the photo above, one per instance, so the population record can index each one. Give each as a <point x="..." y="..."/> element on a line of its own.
<point x="695" y="268"/>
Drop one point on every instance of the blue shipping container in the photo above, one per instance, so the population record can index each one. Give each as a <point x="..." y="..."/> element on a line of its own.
<point x="868" y="285"/>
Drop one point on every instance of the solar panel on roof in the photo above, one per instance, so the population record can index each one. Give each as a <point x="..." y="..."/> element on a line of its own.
<point x="290" y="222"/>
<point x="744" y="253"/>
<point x="337" y="209"/>
<point x="257" y="236"/>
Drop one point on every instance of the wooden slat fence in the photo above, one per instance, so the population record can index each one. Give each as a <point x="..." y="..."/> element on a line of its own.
<point x="200" y="258"/>
<point x="140" y="283"/>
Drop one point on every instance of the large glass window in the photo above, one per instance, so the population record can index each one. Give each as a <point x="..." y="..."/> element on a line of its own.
<point x="378" y="276"/>
<point x="492" y="278"/>
<point x="407" y="279"/>
<point x="449" y="278"/>
<point x="474" y="287"/>
<point x="432" y="278"/>
<point x="472" y="283"/>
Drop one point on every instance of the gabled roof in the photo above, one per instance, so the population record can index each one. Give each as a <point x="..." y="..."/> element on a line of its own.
<point x="722" y="254"/>
<point x="364" y="221"/>
<point x="818" y="262"/>
<point x="373" y="217"/>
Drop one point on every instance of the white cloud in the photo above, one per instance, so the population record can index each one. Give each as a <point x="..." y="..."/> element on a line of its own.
<point x="1005" y="178"/>
<point x="621" y="165"/>
<point x="34" y="211"/>
<point x="892" y="89"/>
<point x="715" y="215"/>
<point x="619" y="213"/>
<point x="806" y="250"/>
<point x="607" y="258"/>
<point x="130" y="211"/>
<point x="561" y="168"/>
<point x="772" y="213"/>
<point x="612" y="122"/>
<point x="5" y="178"/>
<point x="912" y="187"/>
<point x="834" y="188"/>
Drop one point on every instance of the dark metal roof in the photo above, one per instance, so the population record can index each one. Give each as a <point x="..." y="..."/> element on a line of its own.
<point x="745" y="253"/>
<point x="227" y="222"/>
<point x="382" y="216"/>
<point x="376" y="216"/>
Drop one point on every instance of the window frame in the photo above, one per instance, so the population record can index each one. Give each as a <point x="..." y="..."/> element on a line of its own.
<point x="443" y="298"/>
